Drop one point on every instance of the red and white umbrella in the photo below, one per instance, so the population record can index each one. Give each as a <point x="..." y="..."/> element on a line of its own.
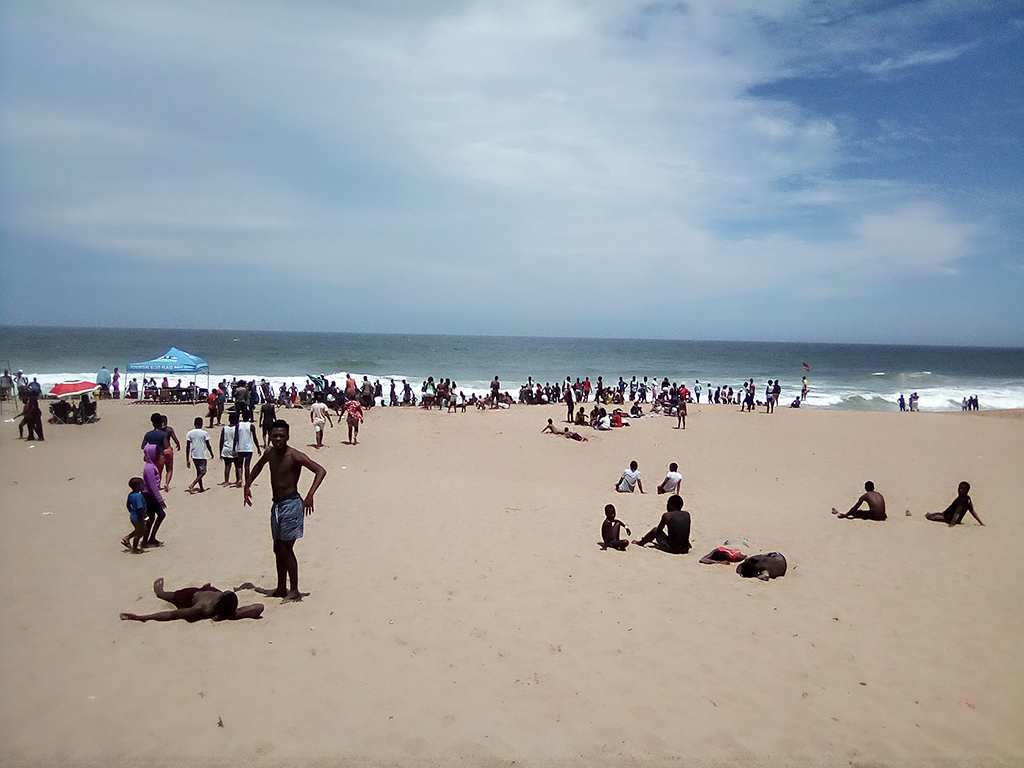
<point x="74" y="388"/>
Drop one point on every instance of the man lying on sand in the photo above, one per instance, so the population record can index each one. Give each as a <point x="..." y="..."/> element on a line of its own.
<point x="955" y="512"/>
<point x="874" y="500"/>
<point x="196" y="604"/>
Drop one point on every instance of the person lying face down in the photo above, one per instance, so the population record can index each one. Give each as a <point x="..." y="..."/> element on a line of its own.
<point x="766" y="566"/>
<point x="197" y="603"/>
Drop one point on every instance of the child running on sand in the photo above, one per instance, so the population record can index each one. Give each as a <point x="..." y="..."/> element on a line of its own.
<point x="286" y="512"/>
<point x="136" y="504"/>
<point x="610" y="530"/>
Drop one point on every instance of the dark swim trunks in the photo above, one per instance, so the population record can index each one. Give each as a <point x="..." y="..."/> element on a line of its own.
<point x="184" y="598"/>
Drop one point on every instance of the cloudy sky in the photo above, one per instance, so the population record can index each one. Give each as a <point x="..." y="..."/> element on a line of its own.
<point x="838" y="170"/>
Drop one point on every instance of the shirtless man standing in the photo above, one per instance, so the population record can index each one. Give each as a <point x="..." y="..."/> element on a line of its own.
<point x="874" y="500"/>
<point x="286" y="513"/>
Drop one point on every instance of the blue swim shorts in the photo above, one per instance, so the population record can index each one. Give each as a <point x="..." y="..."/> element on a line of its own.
<point x="286" y="518"/>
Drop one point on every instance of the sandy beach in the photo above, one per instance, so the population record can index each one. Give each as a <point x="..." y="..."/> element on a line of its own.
<point x="461" y="612"/>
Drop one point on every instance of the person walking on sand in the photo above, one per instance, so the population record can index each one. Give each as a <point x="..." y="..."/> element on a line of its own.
<point x="198" y="450"/>
<point x="168" y="456"/>
<point x="319" y="415"/>
<point x="871" y="497"/>
<point x="288" y="507"/>
<point x="353" y="417"/>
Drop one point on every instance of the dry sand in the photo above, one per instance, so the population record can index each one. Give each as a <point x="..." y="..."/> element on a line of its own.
<point x="462" y="613"/>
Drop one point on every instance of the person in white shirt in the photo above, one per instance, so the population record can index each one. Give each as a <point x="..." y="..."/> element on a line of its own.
<point x="319" y="415"/>
<point x="630" y="480"/>
<point x="198" y="450"/>
<point x="672" y="480"/>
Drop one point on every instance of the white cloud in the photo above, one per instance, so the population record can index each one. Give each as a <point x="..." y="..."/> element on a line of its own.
<point x="426" y="140"/>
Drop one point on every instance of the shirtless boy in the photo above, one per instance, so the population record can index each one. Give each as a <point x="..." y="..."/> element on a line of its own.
<point x="286" y="513"/>
<point x="610" y="530"/>
<point x="198" y="603"/>
<point x="871" y="497"/>
<point x="956" y="511"/>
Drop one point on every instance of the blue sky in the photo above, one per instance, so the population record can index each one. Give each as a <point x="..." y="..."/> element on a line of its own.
<point x="725" y="169"/>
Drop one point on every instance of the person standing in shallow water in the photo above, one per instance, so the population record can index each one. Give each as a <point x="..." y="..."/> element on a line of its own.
<point x="288" y="508"/>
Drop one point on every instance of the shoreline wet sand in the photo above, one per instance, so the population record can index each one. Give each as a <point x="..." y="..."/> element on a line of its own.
<point x="462" y="612"/>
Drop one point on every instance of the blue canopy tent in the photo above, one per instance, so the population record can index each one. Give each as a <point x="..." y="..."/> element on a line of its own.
<point x="172" y="361"/>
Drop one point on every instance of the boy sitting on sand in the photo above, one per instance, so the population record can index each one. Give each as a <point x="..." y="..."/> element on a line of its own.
<point x="610" y="530"/>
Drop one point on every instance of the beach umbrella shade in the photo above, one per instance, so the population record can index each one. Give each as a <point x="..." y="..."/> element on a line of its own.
<point x="74" y="388"/>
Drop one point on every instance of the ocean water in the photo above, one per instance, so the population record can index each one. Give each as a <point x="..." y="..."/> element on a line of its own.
<point x="851" y="376"/>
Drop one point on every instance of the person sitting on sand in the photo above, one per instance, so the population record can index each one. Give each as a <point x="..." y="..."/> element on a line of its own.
<point x="198" y="603"/>
<point x="871" y="497"/>
<point x="630" y="479"/>
<point x="610" y="530"/>
<point x="551" y="428"/>
<point x="766" y="566"/>
<point x="672" y="533"/>
<point x="956" y="511"/>
<point x="672" y="480"/>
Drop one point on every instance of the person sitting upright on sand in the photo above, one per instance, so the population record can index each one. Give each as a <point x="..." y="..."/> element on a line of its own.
<point x="610" y="530"/>
<point x="874" y="500"/>
<point x="672" y="533"/>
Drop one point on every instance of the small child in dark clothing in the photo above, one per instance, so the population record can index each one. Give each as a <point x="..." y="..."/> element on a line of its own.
<point x="137" y="513"/>
<point x="610" y="530"/>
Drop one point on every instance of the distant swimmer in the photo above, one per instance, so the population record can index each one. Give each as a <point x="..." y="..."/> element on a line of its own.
<point x="198" y="603"/>
<point x="958" y="509"/>
<point x="874" y="500"/>
<point x="610" y="530"/>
